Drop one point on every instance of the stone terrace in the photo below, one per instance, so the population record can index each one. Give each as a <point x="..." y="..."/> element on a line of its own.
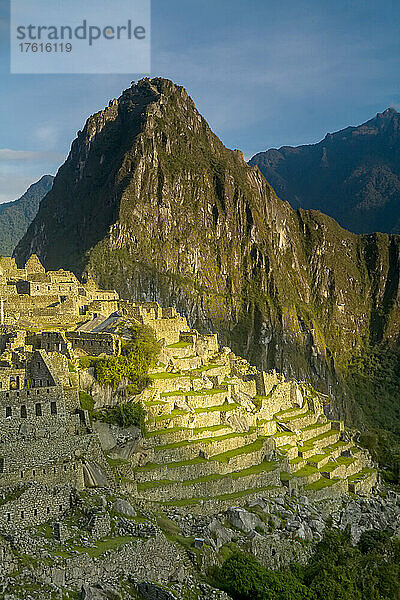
<point x="219" y="431"/>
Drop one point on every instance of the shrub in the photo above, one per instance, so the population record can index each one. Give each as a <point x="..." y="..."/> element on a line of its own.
<point x="86" y="402"/>
<point x="128" y="414"/>
<point x="85" y="362"/>
<point x="336" y="571"/>
<point x="368" y="571"/>
<point x="132" y="366"/>
<point x="245" y="579"/>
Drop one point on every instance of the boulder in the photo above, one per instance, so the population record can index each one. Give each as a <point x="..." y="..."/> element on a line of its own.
<point x="106" y="435"/>
<point x="124" y="508"/>
<point x="152" y="591"/>
<point x="304" y="532"/>
<point x="58" y="577"/>
<point x="89" y="592"/>
<point x="94" y="475"/>
<point x="217" y="534"/>
<point x="121" y="441"/>
<point x="243" y="519"/>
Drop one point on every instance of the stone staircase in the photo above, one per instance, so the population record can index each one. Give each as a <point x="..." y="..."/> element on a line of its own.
<point x="218" y="431"/>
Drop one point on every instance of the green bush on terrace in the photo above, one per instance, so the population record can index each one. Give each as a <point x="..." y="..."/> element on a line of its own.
<point x="127" y="414"/>
<point x="131" y="367"/>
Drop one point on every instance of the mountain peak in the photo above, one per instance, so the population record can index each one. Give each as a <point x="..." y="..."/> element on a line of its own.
<point x="388" y="112"/>
<point x="383" y="118"/>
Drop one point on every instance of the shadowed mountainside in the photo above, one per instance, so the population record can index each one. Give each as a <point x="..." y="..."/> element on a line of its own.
<point x="16" y="216"/>
<point x="352" y="175"/>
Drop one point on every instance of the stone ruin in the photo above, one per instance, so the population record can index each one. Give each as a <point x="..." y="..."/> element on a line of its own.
<point x="218" y="431"/>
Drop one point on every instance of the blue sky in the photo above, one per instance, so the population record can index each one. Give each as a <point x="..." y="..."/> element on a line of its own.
<point x="264" y="73"/>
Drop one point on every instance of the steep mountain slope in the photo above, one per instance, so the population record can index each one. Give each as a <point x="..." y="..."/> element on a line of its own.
<point x="15" y="217"/>
<point x="151" y="202"/>
<point x="352" y="175"/>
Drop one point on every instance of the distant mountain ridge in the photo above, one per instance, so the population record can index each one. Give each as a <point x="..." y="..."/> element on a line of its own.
<point x="352" y="175"/>
<point x="16" y="216"/>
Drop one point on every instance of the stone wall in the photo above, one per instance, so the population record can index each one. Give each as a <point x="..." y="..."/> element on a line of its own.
<point x="54" y="341"/>
<point x="36" y="504"/>
<point x="93" y="344"/>
<point x="40" y="408"/>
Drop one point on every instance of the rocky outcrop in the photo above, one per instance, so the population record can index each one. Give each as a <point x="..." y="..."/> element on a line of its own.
<point x="153" y="204"/>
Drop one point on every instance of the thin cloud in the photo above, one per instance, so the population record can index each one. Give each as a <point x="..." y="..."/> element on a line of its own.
<point x="6" y="154"/>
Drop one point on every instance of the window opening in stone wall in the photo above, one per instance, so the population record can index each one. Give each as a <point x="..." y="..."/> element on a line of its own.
<point x="53" y="408"/>
<point x="38" y="409"/>
<point x="23" y="412"/>
<point x="1" y="465"/>
<point x="8" y="411"/>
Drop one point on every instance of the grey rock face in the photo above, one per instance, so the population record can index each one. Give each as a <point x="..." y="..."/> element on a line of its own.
<point x="98" y="593"/>
<point x="122" y="506"/>
<point x="218" y="535"/>
<point x="151" y="591"/>
<point x="94" y="475"/>
<point x="242" y="519"/>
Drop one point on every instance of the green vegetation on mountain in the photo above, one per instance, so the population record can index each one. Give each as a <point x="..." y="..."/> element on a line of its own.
<point x="245" y="579"/>
<point x="15" y="217"/>
<point x="352" y="175"/>
<point x="336" y="571"/>
<point x="374" y="381"/>
<point x="154" y="205"/>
